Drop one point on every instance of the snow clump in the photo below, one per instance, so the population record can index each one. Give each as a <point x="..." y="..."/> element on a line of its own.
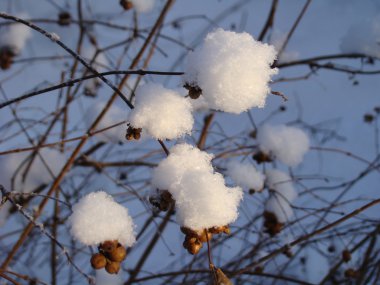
<point x="97" y="218"/>
<point x="287" y="144"/>
<point x="161" y="112"/>
<point x="15" y="35"/>
<point x="246" y="175"/>
<point x="232" y="69"/>
<point x="201" y="197"/>
<point x="363" y="37"/>
<point x="143" y="6"/>
<point x="283" y="195"/>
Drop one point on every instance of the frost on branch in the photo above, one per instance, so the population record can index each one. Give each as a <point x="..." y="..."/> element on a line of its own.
<point x="246" y="175"/>
<point x="201" y="197"/>
<point x="287" y="144"/>
<point x="283" y="195"/>
<point x="161" y="112"/>
<point x="97" y="218"/>
<point x="12" y="40"/>
<point x="232" y="69"/>
<point x="363" y="37"/>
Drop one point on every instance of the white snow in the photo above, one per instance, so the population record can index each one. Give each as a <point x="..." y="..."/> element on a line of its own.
<point x="199" y="105"/>
<point x="201" y="197"/>
<point x="143" y="6"/>
<point x="54" y="37"/>
<point x="363" y="37"/>
<point x="287" y="144"/>
<point x="97" y="218"/>
<point x="161" y="112"/>
<point x="15" y="35"/>
<point x="245" y="175"/>
<point x="183" y="159"/>
<point x="232" y="69"/>
<point x="283" y="194"/>
<point x="114" y="115"/>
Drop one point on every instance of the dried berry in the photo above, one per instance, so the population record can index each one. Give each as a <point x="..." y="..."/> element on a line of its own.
<point x="118" y="254"/>
<point x="346" y="255"/>
<point x="194" y="91"/>
<point x="189" y="240"/>
<point x="98" y="261"/>
<point x="368" y="118"/>
<point x="133" y="133"/>
<point x="261" y="157"/>
<point x="64" y="18"/>
<point x="271" y="224"/>
<point x="108" y="246"/>
<point x="126" y="4"/>
<point x="6" y="57"/>
<point x="113" y="267"/>
<point x="204" y="235"/>
<point x="162" y="201"/>
<point x="194" y="248"/>
<point x="219" y="230"/>
<point x="351" y="273"/>
<point x="331" y="248"/>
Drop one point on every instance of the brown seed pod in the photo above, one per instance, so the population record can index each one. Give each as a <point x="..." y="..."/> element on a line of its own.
<point x="64" y="18"/>
<point x="271" y="224"/>
<point x="351" y="273"/>
<point x="126" y="4"/>
<point x="189" y="241"/>
<point x="98" y="261"/>
<point x="137" y="135"/>
<point x="259" y="269"/>
<point x="261" y="157"/>
<point x="118" y="254"/>
<point x="113" y="267"/>
<point x="195" y="247"/>
<point x="204" y="235"/>
<point x="346" y="255"/>
<point x="219" y="230"/>
<point x="108" y="246"/>
<point x="133" y="133"/>
<point x="189" y="232"/>
<point x="6" y="57"/>
<point x="194" y="90"/>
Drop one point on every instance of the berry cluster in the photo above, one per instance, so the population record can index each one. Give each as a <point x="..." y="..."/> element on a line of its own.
<point x="133" y="133"/>
<point x="194" y="239"/>
<point x="110" y="255"/>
